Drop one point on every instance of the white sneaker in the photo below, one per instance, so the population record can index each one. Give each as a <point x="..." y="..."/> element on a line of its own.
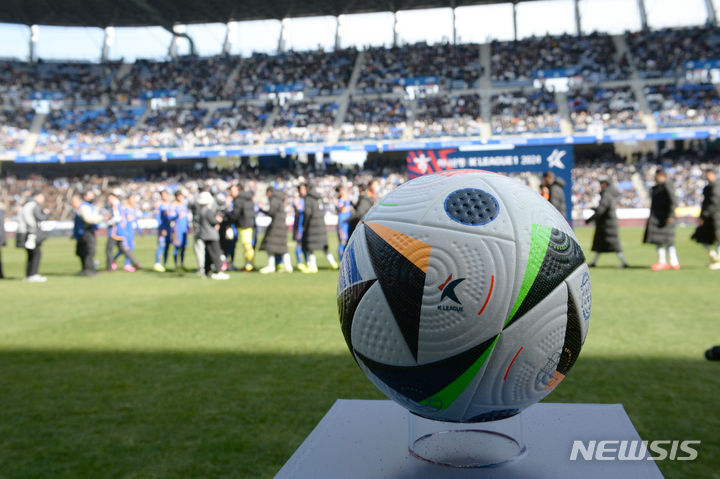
<point x="715" y="266"/>
<point x="36" y="278"/>
<point x="220" y="276"/>
<point x="267" y="269"/>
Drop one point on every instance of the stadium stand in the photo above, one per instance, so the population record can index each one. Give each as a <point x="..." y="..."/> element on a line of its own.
<point x="374" y="119"/>
<point x="239" y="124"/>
<point x="606" y="107"/>
<point x="455" y="66"/>
<point x="168" y="127"/>
<point x="14" y="126"/>
<point x="194" y="78"/>
<point x="86" y="130"/>
<point x="447" y="116"/>
<point x="194" y="102"/>
<point x="528" y="111"/>
<point x="662" y="53"/>
<point x="684" y="104"/>
<point x="317" y="72"/>
<point x="593" y="56"/>
<point x="80" y="84"/>
<point x="304" y="122"/>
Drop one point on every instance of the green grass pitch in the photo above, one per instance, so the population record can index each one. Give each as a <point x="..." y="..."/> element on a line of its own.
<point x="152" y="375"/>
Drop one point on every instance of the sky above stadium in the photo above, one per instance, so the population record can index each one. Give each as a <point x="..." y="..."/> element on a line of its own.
<point x="472" y="24"/>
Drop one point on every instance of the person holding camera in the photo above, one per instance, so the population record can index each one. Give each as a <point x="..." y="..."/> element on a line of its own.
<point x="30" y="232"/>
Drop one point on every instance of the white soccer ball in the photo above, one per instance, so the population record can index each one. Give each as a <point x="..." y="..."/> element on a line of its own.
<point x="464" y="296"/>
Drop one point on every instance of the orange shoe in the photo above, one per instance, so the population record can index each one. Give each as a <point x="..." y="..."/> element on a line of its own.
<point x="675" y="266"/>
<point x="659" y="266"/>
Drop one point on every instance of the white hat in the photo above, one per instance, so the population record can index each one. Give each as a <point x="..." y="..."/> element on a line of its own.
<point x="205" y="198"/>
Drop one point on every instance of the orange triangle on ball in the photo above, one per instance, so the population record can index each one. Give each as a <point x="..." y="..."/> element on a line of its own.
<point x="414" y="250"/>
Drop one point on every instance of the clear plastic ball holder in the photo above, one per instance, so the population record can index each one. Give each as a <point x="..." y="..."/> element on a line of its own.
<point x="466" y="445"/>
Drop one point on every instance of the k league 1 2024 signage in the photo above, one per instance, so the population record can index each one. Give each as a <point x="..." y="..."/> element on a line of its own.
<point x="537" y="159"/>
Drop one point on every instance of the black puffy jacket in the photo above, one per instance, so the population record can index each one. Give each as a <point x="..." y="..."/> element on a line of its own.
<point x="314" y="229"/>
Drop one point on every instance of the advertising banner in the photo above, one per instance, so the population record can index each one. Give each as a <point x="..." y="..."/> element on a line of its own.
<point x="507" y="159"/>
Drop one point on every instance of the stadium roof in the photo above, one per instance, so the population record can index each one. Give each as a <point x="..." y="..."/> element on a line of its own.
<point x="103" y="13"/>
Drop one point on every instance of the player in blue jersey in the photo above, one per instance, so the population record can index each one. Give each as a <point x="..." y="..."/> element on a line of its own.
<point x="117" y="235"/>
<point x="298" y="205"/>
<point x="164" y="231"/>
<point x="344" y="209"/>
<point x="130" y="227"/>
<point x="180" y="218"/>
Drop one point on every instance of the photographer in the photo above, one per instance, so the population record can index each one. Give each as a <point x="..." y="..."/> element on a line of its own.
<point x="32" y="214"/>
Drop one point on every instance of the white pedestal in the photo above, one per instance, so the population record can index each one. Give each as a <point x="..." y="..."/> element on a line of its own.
<point x="369" y="439"/>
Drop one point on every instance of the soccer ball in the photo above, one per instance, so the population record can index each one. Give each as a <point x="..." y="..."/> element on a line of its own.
<point x="464" y="296"/>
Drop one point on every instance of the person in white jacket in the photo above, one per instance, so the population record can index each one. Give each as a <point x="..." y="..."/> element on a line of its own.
<point x="31" y="216"/>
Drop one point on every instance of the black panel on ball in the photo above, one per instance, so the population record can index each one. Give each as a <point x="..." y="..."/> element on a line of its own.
<point x="347" y="304"/>
<point x="563" y="256"/>
<point x="421" y="382"/>
<point x="573" y="338"/>
<point x="402" y="284"/>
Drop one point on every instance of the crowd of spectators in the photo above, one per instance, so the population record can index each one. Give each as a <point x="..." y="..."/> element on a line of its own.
<point x="195" y="78"/>
<point x="454" y="66"/>
<point x="239" y="124"/>
<point x="303" y="122"/>
<point x="86" y="130"/>
<point x="317" y="72"/>
<point x="527" y="111"/>
<point x="684" y="104"/>
<point x="455" y="115"/>
<point x="14" y="127"/>
<point x="80" y="84"/>
<point x="374" y="119"/>
<point x="168" y="127"/>
<point x="592" y="56"/>
<point x="663" y="53"/>
<point x="586" y="184"/>
<point x="101" y="104"/>
<point x="601" y="107"/>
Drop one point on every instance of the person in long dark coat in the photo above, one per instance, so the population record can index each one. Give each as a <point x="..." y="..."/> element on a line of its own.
<point x="275" y="240"/>
<point x="660" y="229"/>
<point x="708" y="231"/>
<point x="606" y="239"/>
<point x="314" y="231"/>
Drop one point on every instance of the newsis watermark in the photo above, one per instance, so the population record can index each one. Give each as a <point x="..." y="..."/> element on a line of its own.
<point x="634" y="450"/>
